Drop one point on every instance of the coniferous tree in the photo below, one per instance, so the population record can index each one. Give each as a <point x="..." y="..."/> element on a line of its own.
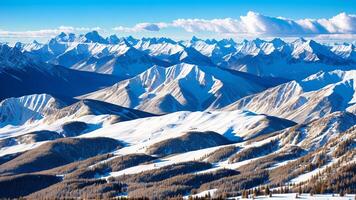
<point x="300" y="190"/>
<point x="267" y="191"/>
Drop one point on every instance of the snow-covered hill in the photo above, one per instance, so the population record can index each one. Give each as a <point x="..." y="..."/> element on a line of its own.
<point x="41" y="117"/>
<point x="234" y="125"/>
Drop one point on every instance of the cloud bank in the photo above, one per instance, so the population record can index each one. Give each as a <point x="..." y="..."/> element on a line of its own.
<point x="254" y="23"/>
<point x="250" y="25"/>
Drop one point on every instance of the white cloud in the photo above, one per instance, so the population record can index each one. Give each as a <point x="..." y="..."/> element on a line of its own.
<point x="227" y="25"/>
<point x="336" y="37"/>
<point x="257" y="24"/>
<point x="142" y="27"/>
<point x="44" y="33"/>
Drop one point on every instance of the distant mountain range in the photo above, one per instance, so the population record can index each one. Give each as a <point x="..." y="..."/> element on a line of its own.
<point x="84" y="116"/>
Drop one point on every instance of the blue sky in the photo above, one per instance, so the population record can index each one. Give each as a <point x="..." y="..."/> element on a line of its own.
<point x="32" y="15"/>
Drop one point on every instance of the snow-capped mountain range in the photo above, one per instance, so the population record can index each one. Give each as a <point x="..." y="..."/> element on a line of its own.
<point x="87" y="116"/>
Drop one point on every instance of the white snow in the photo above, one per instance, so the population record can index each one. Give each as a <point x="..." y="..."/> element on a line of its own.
<point x="18" y="148"/>
<point x="188" y="156"/>
<point x="18" y="111"/>
<point x="141" y="133"/>
<point x="202" y="194"/>
<point x="306" y="100"/>
<point x="304" y="196"/>
<point x="179" y="87"/>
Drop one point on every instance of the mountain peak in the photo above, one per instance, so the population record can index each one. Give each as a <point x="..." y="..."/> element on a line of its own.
<point x="212" y="41"/>
<point x="125" y="42"/>
<point x="65" y="37"/>
<point x="62" y="35"/>
<point x="171" y="72"/>
<point x="131" y="40"/>
<point x="94" y="37"/>
<point x="258" y="41"/>
<point x="277" y="42"/>
<point x="194" y="39"/>
<point x="229" y="41"/>
<point x="158" y="40"/>
<point x="113" y="39"/>
<point x="35" y="42"/>
<point x="299" y="40"/>
<point x="312" y="42"/>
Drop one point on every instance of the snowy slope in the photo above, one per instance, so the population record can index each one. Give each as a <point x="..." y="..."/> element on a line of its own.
<point x="18" y="111"/>
<point x="47" y="118"/>
<point x="346" y="51"/>
<point x="320" y="134"/>
<point x="180" y="87"/>
<point x="317" y="133"/>
<point x="142" y="130"/>
<point x="235" y="125"/>
<point x="306" y="100"/>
